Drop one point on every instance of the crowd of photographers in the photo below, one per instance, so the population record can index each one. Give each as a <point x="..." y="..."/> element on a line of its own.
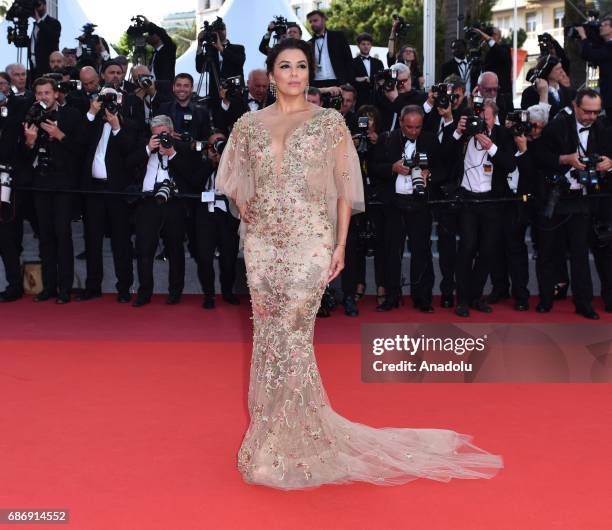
<point x="142" y="152"/>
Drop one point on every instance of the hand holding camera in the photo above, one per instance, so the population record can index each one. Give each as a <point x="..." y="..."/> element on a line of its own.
<point x="572" y="159"/>
<point x="31" y="134"/>
<point x="605" y="164"/>
<point x="95" y="106"/>
<point x="51" y="128"/>
<point x="113" y="119"/>
<point x="521" y="143"/>
<point x="400" y="168"/>
<point x="484" y="141"/>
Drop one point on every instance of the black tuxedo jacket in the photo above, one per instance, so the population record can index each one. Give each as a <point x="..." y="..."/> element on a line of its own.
<point x="365" y="89"/>
<point x="163" y="61"/>
<point x="47" y="42"/>
<point x="339" y="54"/>
<point x="531" y="97"/>
<point x="389" y="108"/>
<point x="200" y="122"/>
<point x="499" y="60"/>
<point x="234" y="57"/>
<point x="134" y="107"/>
<point x="451" y="67"/>
<point x="117" y="151"/>
<point x="225" y="119"/>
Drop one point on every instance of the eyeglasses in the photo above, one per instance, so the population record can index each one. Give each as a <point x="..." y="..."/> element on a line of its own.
<point x="594" y="112"/>
<point x="401" y="82"/>
<point x="489" y="89"/>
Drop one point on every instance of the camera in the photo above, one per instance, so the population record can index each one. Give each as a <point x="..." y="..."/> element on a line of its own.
<point x="136" y="32"/>
<point x="280" y="26"/>
<point x="69" y="86"/>
<point x="219" y="145"/>
<point x="475" y="124"/>
<point x="145" y="81"/>
<point x="417" y="163"/>
<point x="558" y="184"/>
<point x="362" y="126"/>
<point x="444" y="96"/>
<point x="544" y="70"/>
<point x="165" y="140"/>
<point x="402" y="26"/>
<point x="545" y="42"/>
<point x="591" y="27"/>
<point x="39" y="113"/>
<point x="19" y="13"/>
<point x="589" y="176"/>
<point x="233" y="85"/>
<point x="331" y="101"/>
<point x="520" y="122"/>
<point x="473" y="37"/>
<point x="209" y="32"/>
<point x="164" y="190"/>
<point x="86" y="49"/>
<point x="110" y="100"/>
<point x="388" y="78"/>
<point x="6" y="182"/>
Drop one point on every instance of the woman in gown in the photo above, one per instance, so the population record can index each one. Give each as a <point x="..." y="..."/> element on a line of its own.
<point x="293" y="173"/>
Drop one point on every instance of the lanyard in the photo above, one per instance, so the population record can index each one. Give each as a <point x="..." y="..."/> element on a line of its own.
<point x="320" y="48"/>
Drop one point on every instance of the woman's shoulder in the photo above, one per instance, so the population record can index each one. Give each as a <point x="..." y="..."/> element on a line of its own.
<point x="332" y="118"/>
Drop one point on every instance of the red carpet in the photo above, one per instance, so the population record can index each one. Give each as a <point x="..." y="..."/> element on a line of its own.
<point x="131" y="419"/>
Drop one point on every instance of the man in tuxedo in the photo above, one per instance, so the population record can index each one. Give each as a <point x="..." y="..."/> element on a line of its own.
<point x="365" y="69"/>
<point x="547" y="87"/>
<point x="163" y="60"/>
<point x="497" y="59"/>
<point x="44" y="39"/>
<point x="223" y="57"/>
<point x="142" y="104"/>
<point x="488" y="87"/>
<point x="127" y="87"/>
<point x="110" y="140"/>
<point x="256" y="97"/>
<point x="52" y="152"/>
<point x="483" y="161"/>
<point x="155" y="165"/>
<point x="406" y="210"/>
<point x="569" y="136"/>
<point x="460" y="66"/>
<point x="293" y="32"/>
<point x="332" y="54"/>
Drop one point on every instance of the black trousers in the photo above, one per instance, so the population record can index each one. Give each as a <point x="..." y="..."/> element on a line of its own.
<point x="511" y="257"/>
<point x="153" y="221"/>
<point x="11" y="229"/>
<point x="54" y="214"/>
<point x="480" y="228"/>
<point x="114" y="212"/>
<point x="214" y="230"/>
<point x="447" y="229"/>
<point x="413" y="219"/>
<point x="575" y="229"/>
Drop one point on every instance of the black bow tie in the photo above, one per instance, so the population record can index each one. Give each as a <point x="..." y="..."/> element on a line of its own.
<point x="365" y="57"/>
<point x="583" y="129"/>
<point x="319" y="37"/>
<point x="411" y="140"/>
<point x="251" y="100"/>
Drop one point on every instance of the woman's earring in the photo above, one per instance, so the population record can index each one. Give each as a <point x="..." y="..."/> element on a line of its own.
<point x="306" y="92"/>
<point x="273" y="88"/>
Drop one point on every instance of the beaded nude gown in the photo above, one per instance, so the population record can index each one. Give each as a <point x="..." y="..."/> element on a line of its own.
<point x="295" y="168"/>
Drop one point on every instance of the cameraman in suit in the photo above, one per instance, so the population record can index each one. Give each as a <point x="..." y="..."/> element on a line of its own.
<point x="110" y="140"/>
<point x="144" y="103"/>
<point x="459" y="65"/>
<point x="226" y="58"/>
<point x="331" y="51"/>
<point x="44" y="39"/>
<point x="365" y="69"/>
<point x="163" y="60"/>
<point x="160" y="169"/>
<point x="293" y="32"/>
<point x="498" y="58"/>
<point x="51" y="152"/>
<point x="404" y="191"/>
<point x="570" y="136"/>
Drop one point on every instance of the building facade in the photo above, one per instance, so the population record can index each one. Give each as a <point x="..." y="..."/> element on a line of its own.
<point x="176" y="21"/>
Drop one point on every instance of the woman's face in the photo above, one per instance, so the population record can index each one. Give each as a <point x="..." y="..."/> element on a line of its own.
<point x="291" y="72"/>
<point x="408" y="54"/>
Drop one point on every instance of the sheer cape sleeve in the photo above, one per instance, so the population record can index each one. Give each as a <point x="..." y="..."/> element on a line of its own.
<point x="346" y="181"/>
<point x="235" y="177"/>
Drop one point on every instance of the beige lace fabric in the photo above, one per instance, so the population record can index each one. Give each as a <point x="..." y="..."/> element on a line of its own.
<point x="296" y="167"/>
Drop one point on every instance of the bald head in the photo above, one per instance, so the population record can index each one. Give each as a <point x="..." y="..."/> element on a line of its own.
<point x="488" y="84"/>
<point x="57" y="62"/>
<point x="89" y="79"/>
<point x="138" y="70"/>
<point x="257" y="84"/>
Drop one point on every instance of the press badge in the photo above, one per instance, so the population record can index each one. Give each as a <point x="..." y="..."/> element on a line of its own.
<point x="208" y="196"/>
<point x="488" y="169"/>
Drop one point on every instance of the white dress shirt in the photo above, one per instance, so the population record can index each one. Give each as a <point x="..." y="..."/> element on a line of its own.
<point x="98" y="167"/>
<point x="155" y="173"/>
<point x="323" y="66"/>
<point x="218" y="203"/>
<point x="583" y="138"/>
<point x="477" y="169"/>
<point x="367" y="63"/>
<point x="403" y="183"/>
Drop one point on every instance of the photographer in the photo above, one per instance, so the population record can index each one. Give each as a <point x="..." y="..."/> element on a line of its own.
<point x="410" y="156"/>
<point x="18" y="75"/>
<point x="484" y="151"/>
<point x="53" y="139"/>
<point x="292" y="31"/>
<point x="92" y="49"/>
<point x="110" y="140"/>
<point x="331" y="51"/>
<point x="600" y="54"/>
<point x="216" y="227"/>
<point x="149" y="95"/>
<point x="546" y="87"/>
<point x="498" y="58"/>
<point x="437" y="115"/>
<point x="164" y="170"/>
<point x="579" y="147"/>
<point x="460" y="66"/>
<point x="90" y="86"/>
<point x="227" y="59"/>
<point x="44" y="39"/>
<point x="163" y="60"/>
<point x="488" y="87"/>
<point x="399" y="93"/>
<point x="365" y="69"/>
<point x="234" y="103"/>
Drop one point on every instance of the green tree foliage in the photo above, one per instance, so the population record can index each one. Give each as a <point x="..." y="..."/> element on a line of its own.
<point x="4" y="5"/>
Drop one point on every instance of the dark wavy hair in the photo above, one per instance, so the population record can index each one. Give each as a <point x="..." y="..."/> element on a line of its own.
<point x="291" y="44"/>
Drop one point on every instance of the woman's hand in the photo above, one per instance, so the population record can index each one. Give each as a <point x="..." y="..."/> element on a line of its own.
<point x="247" y="211"/>
<point x="337" y="263"/>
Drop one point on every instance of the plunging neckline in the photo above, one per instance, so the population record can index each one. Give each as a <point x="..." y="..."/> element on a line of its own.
<point x="275" y="160"/>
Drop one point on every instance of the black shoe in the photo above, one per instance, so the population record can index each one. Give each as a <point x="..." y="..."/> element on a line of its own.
<point x="10" y="296"/>
<point x="588" y="312"/>
<point x="424" y="308"/>
<point x="45" y="295"/>
<point x="124" y="297"/>
<point x="62" y="298"/>
<point x="392" y="301"/>
<point x="231" y="298"/>
<point x="543" y="308"/>
<point x="88" y="294"/>
<point x="462" y="310"/>
<point x="496" y="296"/>
<point x="447" y="301"/>
<point x="140" y="301"/>
<point x="173" y="299"/>
<point x="521" y="305"/>
<point x="350" y="307"/>
<point x="209" y="302"/>
<point x="482" y="306"/>
<point x="161" y="256"/>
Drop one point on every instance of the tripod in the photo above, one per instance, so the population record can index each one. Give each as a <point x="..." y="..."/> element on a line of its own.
<point x="209" y="68"/>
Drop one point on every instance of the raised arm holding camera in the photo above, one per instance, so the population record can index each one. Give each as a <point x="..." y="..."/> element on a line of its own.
<point x="149" y="95"/>
<point x="280" y="29"/>
<point x="547" y="88"/>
